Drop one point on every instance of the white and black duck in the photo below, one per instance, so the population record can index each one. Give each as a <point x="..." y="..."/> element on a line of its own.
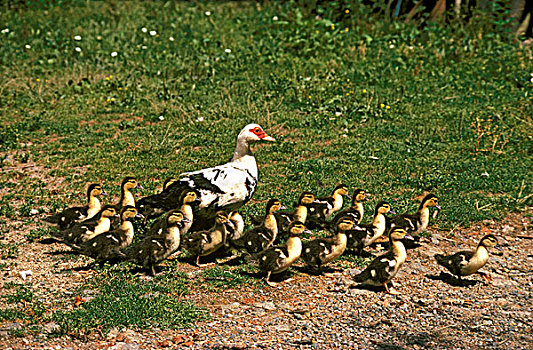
<point x="225" y="187"/>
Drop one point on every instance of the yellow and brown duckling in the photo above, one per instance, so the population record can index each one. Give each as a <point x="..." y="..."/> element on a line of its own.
<point x="87" y="229"/>
<point x="109" y="245"/>
<point x="188" y="199"/>
<point x="202" y="243"/>
<point x="235" y="230"/>
<point x="356" y="210"/>
<point x="364" y="235"/>
<point x="263" y="236"/>
<point x="279" y="258"/>
<point x="126" y="197"/>
<point x="150" y="211"/>
<point x="153" y="249"/>
<point x="383" y="268"/>
<point x="465" y="263"/>
<point x="70" y="216"/>
<point x="321" y="251"/>
<point x="324" y="207"/>
<point x="418" y="222"/>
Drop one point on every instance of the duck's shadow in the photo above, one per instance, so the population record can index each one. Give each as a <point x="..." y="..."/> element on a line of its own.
<point x="452" y="280"/>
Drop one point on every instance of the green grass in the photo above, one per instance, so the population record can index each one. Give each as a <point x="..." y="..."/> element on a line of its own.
<point x="222" y="277"/>
<point x="124" y="300"/>
<point x="391" y="107"/>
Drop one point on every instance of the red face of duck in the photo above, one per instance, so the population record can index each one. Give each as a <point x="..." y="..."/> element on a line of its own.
<point x="259" y="133"/>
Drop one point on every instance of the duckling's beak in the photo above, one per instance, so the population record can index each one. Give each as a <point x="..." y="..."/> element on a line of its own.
<point x="438" y="207"/>
<point x="197" y="201"/>
<point x="116" y="216"/>
<point x="186" y="220"/>
<point x="139" y="187"/>
<point x="316" y="201"/>
<point x="282" y="207"/>
<point x="139" y="216"/>
<point x="308" y="231"/>
<point x="348" y="196"/>
<point x="392" y="212"/>
<point x="499" y="247"/>
<point x="103" y="193"/>
<point x="367" y="196"/>
<point x="354" y="226"/>
<point x="408" y="236"/>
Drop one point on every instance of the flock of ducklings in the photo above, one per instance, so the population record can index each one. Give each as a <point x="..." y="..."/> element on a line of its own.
<point x="273" y="244"/>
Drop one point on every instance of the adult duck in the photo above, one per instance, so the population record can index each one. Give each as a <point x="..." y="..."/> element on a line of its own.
<point x="224" y="187"/>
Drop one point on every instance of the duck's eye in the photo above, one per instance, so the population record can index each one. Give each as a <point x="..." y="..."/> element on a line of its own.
<point x="257" y="130"/>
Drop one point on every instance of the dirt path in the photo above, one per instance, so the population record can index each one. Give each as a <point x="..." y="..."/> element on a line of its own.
<point x="318" y="312"/>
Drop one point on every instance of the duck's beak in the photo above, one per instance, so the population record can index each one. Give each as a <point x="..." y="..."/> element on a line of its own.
<point x="348" y="196"/>
<point x="438" y="207"/>
<point x="499" y="247"/>
<point x="139" y="216"/>
<point x="186" y="220"/>
<point x="308" y="231"/>
<point x="103" y="193"/>
<point x="392" y="212"/>
<point x="354" y="226"/>
<point x="268" y="138"/>
<point x="408" y="236"/>
<point x="139" y="187"/>
<point x="230" y="224"/>
<point x="282" y="207"/>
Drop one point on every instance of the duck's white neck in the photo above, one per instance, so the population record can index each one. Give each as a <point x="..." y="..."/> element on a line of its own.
<point x="244" y="158"/>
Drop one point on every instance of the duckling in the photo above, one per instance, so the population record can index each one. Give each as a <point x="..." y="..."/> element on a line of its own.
<point x="202" y="243"/>
<point x="87" y="229"/>
<point x="153" y="249"/>
<point x="364" y="235"/>
<point x="108" y="245"/>
<point x="324" y="207"/>
<point x="235" y="231"/>
<point x="356" y="210"/>
<point x="126" y="197"/>
<point x="383" y="268"/>
<point x="70" y="216"/>
<point x="188" y="199"/>
<point x="260" y="237"/>
<point x="150" y="212"/>
<point x="418" y="222"/>
<point x="320" y="251"/>
<point x="465" y="263"/>
<point x="224" y="187"/>
<point x="279" y="258"/>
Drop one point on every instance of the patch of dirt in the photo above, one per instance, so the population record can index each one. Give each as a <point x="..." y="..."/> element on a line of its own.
<point x="317" y="312"/>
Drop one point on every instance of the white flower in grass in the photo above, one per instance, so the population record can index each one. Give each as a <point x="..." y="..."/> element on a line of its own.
<point x="391" y="46"/>
<point x="171" y="38"/>
<point x="144" y="30"/>
<point x="77" y="37"/>
<point x="227" y="51"/>
<point x="275" y="18"/>
<point x="5" y="30"/>
<point x="78" y="49"/>
<point x="161" y="117"/>
<point x="114" y="54"/>
<point x="27" y="46"/>
<point x="200" y="119"/>
<point x="208" y="13"/>
<point x="153" y="33"/>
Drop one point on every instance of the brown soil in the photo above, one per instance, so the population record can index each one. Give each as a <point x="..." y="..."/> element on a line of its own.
<point x="316" y="312"/>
